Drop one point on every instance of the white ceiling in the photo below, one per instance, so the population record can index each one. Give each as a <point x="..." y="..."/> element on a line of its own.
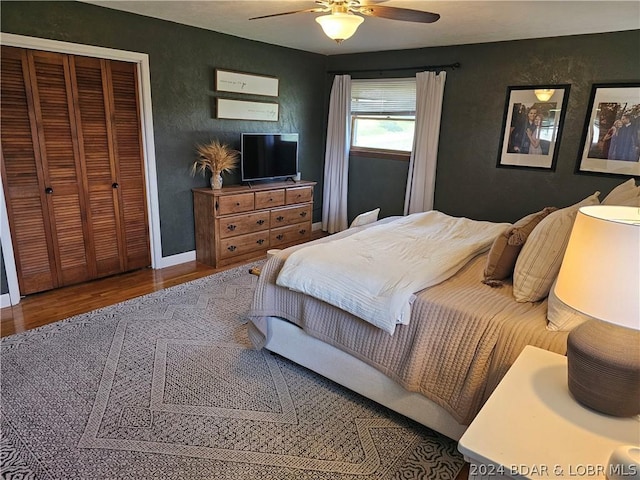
<point x="461" y="22"/>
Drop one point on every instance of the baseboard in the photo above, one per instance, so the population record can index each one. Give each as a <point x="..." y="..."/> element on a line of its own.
<point x="177" y="259"/>
<point x="5" y="300"/>
<point x="316" y="226"/>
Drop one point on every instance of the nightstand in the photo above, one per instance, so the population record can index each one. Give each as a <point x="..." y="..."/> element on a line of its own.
<point x="531" y="427"/>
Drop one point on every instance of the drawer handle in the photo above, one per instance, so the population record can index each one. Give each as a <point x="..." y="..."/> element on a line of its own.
<point x="280" y="237"/>
<point x="237" y="204"/>
<point x="280" y="218"/>
<point x="303" y="214"/>
<point x="217" y="205"/>
<point x="231" y="227"/>
<point x="260" y="222"/>
<point x="271" y="199"/>
<point x="302" y="232"/>
<point x="48" y="190"/>
<point x="231" y="248"/>
<point x="260" y="241"/>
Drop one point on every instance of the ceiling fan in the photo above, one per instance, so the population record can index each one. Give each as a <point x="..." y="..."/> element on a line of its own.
<point x="343" y="21"/>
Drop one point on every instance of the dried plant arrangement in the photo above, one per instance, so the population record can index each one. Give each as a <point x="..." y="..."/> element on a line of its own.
<point x="215" y="157"/>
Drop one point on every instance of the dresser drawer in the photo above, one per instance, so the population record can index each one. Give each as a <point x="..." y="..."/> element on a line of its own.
<point x="241" y="224"/>
<point x="251" y="242"/>
<point x="299" y="195"/>
<point x="271" y="198"/>
<point x="241" y="202"/>
<point x="238" y="222"/>
<point x="288" y="216"/>
<point x="298" y="233"/>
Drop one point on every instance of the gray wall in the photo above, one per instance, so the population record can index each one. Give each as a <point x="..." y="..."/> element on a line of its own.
<point x="182" y="62"/>
<point x="468" y="182"/>
<point x="376" y="182"/>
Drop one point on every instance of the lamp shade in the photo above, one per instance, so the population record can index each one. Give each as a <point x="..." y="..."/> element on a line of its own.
<point x="600" y="273"/>
<point x="339" y="26"/>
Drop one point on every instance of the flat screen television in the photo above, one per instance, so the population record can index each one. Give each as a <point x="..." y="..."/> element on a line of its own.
<point x="267" y="156"/>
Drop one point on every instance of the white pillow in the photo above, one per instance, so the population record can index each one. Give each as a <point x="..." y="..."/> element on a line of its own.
<point x="561" y="317"/>
<point x="626" y="194"/>
<point x="365" y="218"/>
<point x="541" y="256"/>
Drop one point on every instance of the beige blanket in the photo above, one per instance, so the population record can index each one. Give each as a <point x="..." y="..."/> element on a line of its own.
<point x="462" y="337"/>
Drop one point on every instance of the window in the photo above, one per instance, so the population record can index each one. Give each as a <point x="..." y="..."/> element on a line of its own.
<point x="383" y="115"/>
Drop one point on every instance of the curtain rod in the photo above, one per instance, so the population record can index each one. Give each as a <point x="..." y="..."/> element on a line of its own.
<point x="452" y="66"/>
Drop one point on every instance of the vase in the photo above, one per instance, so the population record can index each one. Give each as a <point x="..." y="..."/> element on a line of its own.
<point x="216" y="181"/>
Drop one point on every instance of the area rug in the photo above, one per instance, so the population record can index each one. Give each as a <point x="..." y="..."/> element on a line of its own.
<point x="166" y="386"/>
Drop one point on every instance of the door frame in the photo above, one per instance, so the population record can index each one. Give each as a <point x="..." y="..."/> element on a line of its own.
<point x="148" y="146"/>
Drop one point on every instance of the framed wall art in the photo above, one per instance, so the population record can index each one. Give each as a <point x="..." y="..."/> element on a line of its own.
<point x="611" y="136"/>
<point x="244" y="110"/>
<point x="238" y="82"/>
<point x="532" y="126"/>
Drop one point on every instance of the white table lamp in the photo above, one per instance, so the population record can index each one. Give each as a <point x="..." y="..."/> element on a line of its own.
<point x="600" y="277"/>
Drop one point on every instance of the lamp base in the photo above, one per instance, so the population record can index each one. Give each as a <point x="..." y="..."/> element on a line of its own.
<point x="604" y="367"/>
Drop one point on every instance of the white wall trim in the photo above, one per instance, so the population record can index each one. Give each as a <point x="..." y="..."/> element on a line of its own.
<point x="7" y="252"/>
<point x="5" y="300"/>
<point x="148" y="143"/>
<point x="177" y="259"/>
<point x="316" y="226"/>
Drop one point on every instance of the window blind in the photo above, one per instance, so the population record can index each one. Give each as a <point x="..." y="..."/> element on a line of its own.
<point x="383" y="96"/>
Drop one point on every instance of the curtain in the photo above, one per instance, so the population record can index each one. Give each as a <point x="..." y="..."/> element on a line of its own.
<point x="336" y="162"/>
<point x="424" y="155"/>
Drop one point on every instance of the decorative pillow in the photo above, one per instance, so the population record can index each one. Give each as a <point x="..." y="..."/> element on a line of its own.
<point x="626" y="194"/>
<point x="365" y="218"/>
<point x="561" y="317"/>
<point x="539" y="261"/>
<point x="506" y="247"/>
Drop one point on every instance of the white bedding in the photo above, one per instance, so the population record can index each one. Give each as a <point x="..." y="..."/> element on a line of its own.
<point x="374" y="274"/>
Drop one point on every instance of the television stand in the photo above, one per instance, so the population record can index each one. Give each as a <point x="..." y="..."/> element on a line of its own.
<point x="238" y="223"/>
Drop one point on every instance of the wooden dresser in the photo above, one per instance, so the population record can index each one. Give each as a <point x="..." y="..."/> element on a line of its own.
<point x="239" y="222"/>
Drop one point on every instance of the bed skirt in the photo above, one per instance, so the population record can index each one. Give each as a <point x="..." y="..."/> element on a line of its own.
<point x="290" y="341"/>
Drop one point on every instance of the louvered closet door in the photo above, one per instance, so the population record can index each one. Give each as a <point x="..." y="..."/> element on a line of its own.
<point x="60" y="157"/>
<point x="93" y="117"/>
<point x="23" y="179"/>
<point x="73" y="169"/>
<point x="130" y="164"/>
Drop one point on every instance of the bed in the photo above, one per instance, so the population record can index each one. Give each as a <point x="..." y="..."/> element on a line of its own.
<point x="461" y="338"/>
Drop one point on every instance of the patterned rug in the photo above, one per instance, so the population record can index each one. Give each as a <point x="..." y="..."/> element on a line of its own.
<point x="166" y="386"/>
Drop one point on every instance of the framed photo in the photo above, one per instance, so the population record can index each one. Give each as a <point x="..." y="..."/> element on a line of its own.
<point x="532" y="126"/>
<point x="238" y="82"/>
<point x="611" y="136"/>
<point x="243" y="110"/>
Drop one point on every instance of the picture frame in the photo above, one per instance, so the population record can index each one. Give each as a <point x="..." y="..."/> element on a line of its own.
<point x="532" y="126"/>
<point x="246" y="110"/>
<point x="250" y="83"/>
<point x="611" y="136"/>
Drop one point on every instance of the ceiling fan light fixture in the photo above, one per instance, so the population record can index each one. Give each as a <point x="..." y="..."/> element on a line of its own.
<point x="544" y="94"/>
<point x="339" y="26"/>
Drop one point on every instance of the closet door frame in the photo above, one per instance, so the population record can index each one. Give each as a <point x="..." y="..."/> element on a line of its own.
<point x="146" y="118"/>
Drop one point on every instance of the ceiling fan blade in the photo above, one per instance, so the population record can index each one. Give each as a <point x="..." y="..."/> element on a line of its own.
<point x="396" y="13"/>
<point x="310" y="10"/>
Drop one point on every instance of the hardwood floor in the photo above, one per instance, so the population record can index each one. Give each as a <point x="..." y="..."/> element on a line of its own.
<point x="48" y="307"/>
